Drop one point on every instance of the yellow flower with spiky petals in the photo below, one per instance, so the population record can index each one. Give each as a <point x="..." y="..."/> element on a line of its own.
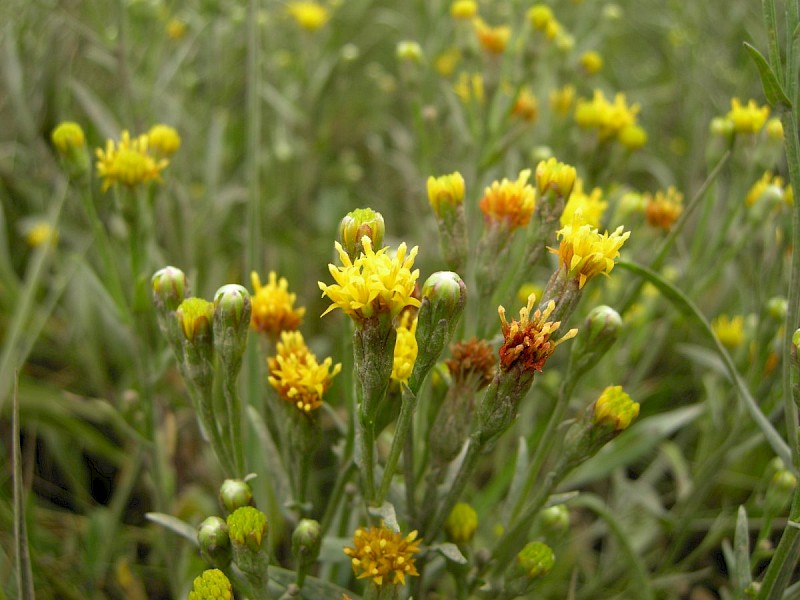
<point x="128" y="162"/>
<point x="747" y="119"/>
<point x="375" y="282"/>
<point x="311" y="16"/>
<point x="615" y="407"/>
<point x="583" y="207"/>
<point x="383" y="555"/>
<point x="273" y="306"/>
<point x="584" y="252"/>
<point x="405" y="348"/>
<point x="297" y="375"/>
<point x="609" y="118"/>
<point x="730" y="331"/>
<point x="509" y="202"/>
<point x="492" y="39"/>
<point x="556" y="176"/>
<point x="663" y="208"/>
<point x="528" y="341"/>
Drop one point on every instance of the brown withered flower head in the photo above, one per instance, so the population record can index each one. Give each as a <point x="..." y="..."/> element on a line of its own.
<point x="472" y="360"/>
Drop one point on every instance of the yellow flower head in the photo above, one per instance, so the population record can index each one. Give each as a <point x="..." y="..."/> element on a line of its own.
<point x="68" y="136"/>
<point x="730" y="331"/>
<point x="526" y="106"/>
<point x="273" y="306"/>
<point x="195" y="316"/>
<point x="383" y="555"/>
<point x="584" y="252"/>
<point x="463" y="9"/>
<point x="41" y="233"/>
<point x="774" y="129"/>
<point x="492" y="39"/>
<point x="561" y="99"/>
<point x="615" y="407"/>
<point x="163" y="140"/>
<point x="405" y="348"/>
<point x="582" y="207"/>
<point x="632" y="137"/>
<point x="540" y="16"/>
<point x="469" y="87"/>
<point x="447" y="61"/>
<point x="308" y="15"/>
<point x="528" y="342"/>
<point x="461" y="523"/>
<point x="445" y="192"/>
<point x="176" y="29"/>
<point x="128" y="162"/>
<point x="211" y="585"/>
<point x="747" y="119"/>
<point x="768" y="187"/>
<point x="556" y="176"/>
<point x="297" y="376"/>
<point x="591" y="62"/>
<point x="663" y="209"/>
<point x="509" y="202"/>
<point x="608" y="118"/>
<point x="374" y="283"/>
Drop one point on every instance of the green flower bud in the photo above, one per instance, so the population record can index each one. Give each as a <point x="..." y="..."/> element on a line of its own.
<point x="306" y="542"/>
<point x="247" y="527"/>
<point x="555" y="519"/>
<point x="195" y="316"/>
<point x="615" y="408"/>
<point x="70" y="141"/>
<point x="779" y="492"/>
<point x="461" y="523"/>
<point x="232" y="308"/>
<point x="357" y="224"/>
<point x="536" y="559"/>
<point x="777" y="307"/>
<point x="235" y="493"/>
<point x="211" y="585"/>
<point x="409" y="51"/>
<point x="444" y="296"/>
<point x="796" y="339"/>
<point x="215" y="544"/>
<point x="722" y="127"/>
<point x="598" y="333"/>
<point x="170" y="288"/>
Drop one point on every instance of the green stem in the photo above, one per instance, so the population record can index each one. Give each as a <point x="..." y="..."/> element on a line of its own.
<point x="253" y="137"/>
<point x="233" y="407"/>
<point x="465" y="471"/>
<point x="409" y="404"/>
<point x="336" y="495"/>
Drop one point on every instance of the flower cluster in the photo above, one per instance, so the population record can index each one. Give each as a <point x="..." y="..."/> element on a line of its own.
<point x="297" y="375"/>
<point x="273" y="306"/>
<point x="769" y="187"/>
<point x="747" y="119"/>
<point x="663" y="208"/>
<point x="492" y="39"/>
<point x="383" y="555"/>
<point x="509" y="202"/>
<point x="584" y="252"/>
<point x="375" y="282"/>
<point x="611" y="119"/>
<point x="528" y="342"/>
<point x="129" y="162"/>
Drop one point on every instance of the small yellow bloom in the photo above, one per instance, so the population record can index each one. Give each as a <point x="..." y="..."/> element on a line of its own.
<point x="464" y="9"/>
<point x="195" y="316"/>
<point x="405" y="348"/>
<point x="509" y="202"/>
<point x="774" y="129"/>
<point x="41" y="233"/>
<point x="128" y="162"/>
<point x="68" y="136"/>
<point x="632" y="137"/>
<point x="470" y="87"/>
<point x="586" y="208"/>
<point x="211" y="585"/>
<point x="163" y="140"/>
<point x="461" y="523"/>
<point x="445" y="192"/>
<point x="561" y="100"/>
<point x="540" y="16"/>
<point x="592" y="62"/>
<point x="615" y="407"/>
<point x="770" y="189"/>
<point x="492" y="39"/>
<point x="528" y="342"/>
<point x="526" y="106"/>
<point x="383" y="556"/>
<point x="409" y="51"/>
<point x="747" y="119"/>
<point x="730" y="331"/>
<point x="311" y="16"/>
<point x="585" y="253"/>
<point x="663" y="209"/>
<point x="176" y="29"/>
<point x="608" y="118"/>
<point x="297" y="375"/>
<point x="447" y="61"/>
<point x="273" y="306"/>
<point x="556" y="176"/>
<point x="374" y="283"/>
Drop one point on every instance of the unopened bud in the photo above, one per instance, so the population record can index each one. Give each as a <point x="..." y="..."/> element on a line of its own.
<point x="357" y="224"/>
<point x="461" y="523"/>
<point x="247" y="527"/>
<point x="170" y="288"/>
<point x="555" y="519"/>
<point x="409" y="51"/>
<point x="779" y="491"/>
<point x="211" y="585"/>
<point x="195" y="316"/>
<point x="235" y="493"/>
<point x="614" y="408"/>
<point x="215" y="544"/>
<point x="777" y="308"/>
<point x="232" y="308"/>
<point x="306" y="542"/>
<point x="599" y="332"/>
<point x="70" y="141"/>
<point x="445" y="193"/>
<point x="536" y="559"/>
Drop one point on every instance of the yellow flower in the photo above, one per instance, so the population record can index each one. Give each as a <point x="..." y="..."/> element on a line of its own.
<point x="68" y="136"/>
<point x="768" y="188"/>
<point x="308" y="15"/>
<point x="211" y="585"/>
<point x="584" y="252"/>
<point x="463" y="9"/>
<point x="632" y="137"/>
<point x="730" y="331"/>
<point x="176" y="29"/>
<point x="405" y="348"/>
<point x="556" y="176"/>
<point x="663" y="209"/>
<point x="561" y="100"/>
<point x="470" y="87"/>
<point x="445" y="192"/>
<point x="297" y="376"/>
<point x="195" y="316"/>
<point x="608" y="118"/>
<point x="128" y="162"/>
<point x="747" y="119"/>
<point x="510" y="202"/>
<point x="492" y="39"/>
<point x="273" y="306"/>
<point x="461" y="523"/>
<point x="615" y="407"/>
<point x="774" y="129"/>
<point x="540" y="16"/>
<point x="163" y="140"/>
<point x="591" y="62"/>
<point x="41" y="233"/>
<point x="526" y="106"/>
<point x="446" y="62"/>
<point x="383" y="556"/>
<point x="586" y="208"/>
<point x="527" y="342"/>
<point x="374" y="283"/>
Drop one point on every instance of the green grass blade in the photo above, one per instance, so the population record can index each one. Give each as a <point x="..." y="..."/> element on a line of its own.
<point x="23" y="559"/>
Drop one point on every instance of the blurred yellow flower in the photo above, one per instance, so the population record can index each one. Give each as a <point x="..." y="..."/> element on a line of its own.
<point x="446" y="62"/>
<point x="730" y="331"/>
<point x="164" y="140"/>
<point x="445" y="192"/>
<point x="469" y="87"/>
<point x="176" y="29"/>
<point x="461" y="523"/>
<point x="297" y="375"/>
<point x="374" y="283"/>
<point x="555" y="176"/>
<point x="273" y="306"/>
<point x="747" y="119"/>
<point x="540" y="16"/>
<point x="561" y="99"/>
<point x="632" y="137"/>
<point x="128" y="162"/>
<point x="591" y="62"/>
<point x="526" y="106"/>
<point x="509" y="202"/>
<point x="768" y="188"/>
<point x="463" y="9"/>
<point x="405" y="348"/>
<point x="68" y="136"/>
<point x="774" y="129"/>
<point x="308" y="15"/>
<point x="492" y="39"/>
<point x="584" y="208"/>
<point x="609" y="119"/>
<point x="615" y="407"/>
<point x="585" y="253"/>
<point x="383" y="555"/>
<point x="663" y="209"/>
<point x="41" y="233"/>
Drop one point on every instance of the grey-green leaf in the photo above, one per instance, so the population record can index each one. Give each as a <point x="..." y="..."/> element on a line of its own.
<point x="772" y="87"/>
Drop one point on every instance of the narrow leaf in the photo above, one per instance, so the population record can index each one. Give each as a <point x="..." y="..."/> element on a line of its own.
<point x="772" y="87"/>
<point x="387" y="513"/>
<point x="23" y="558"/>
<point x="741" y="550"/>
<point x="450" y="552"/>
<point x="175" y="525"/>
